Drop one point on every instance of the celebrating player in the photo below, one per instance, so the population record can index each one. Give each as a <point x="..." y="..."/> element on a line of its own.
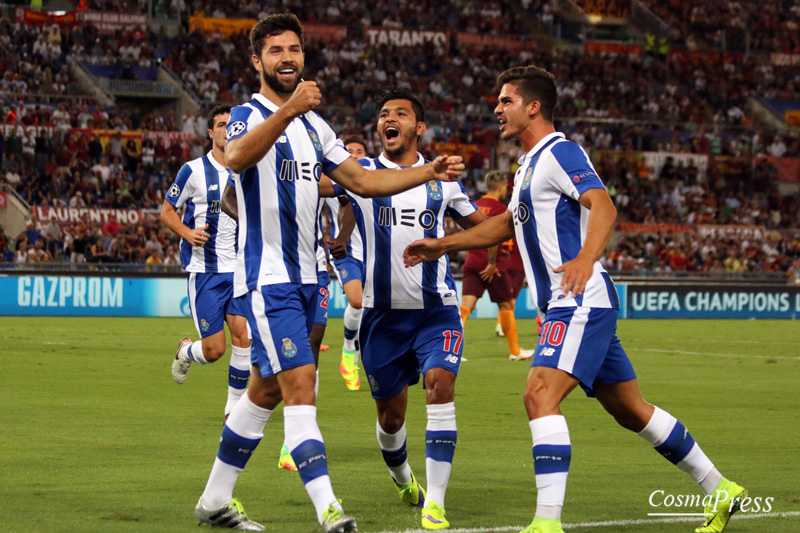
<point x="411" y="322"/>
<point x="563" y="219"/>
<point x="277" y="149"/>
<point x="208" y="252"/>
<point x="488" y="270"/>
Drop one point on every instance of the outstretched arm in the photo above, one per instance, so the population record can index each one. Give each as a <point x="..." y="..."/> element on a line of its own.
<point x="387" y="182"/>
<point x="488" y="233"/>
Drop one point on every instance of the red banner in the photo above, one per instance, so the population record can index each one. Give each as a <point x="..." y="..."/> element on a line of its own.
<point x="788" y="167"/>
<point x="3" y="200"/>
<point x="730" y="231"/>
<point x="68" y="215"/>
<point x="654" y="228"/>
<point x="712" y="58"/>
<point x="328" y="33"/>
<point x="612" y="48"/>
<point x="472" y="39"/>
<point x="30" y="17"/>
<point x="107" y="22"/>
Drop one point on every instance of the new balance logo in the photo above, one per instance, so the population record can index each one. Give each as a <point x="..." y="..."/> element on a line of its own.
<point x="281" y="139"/>
<point x="546" y="352"/>
<point x="451" y="359"/>
<point x="213" y="188"/>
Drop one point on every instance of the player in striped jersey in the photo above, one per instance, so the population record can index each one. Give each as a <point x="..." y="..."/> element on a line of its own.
<point x="349" y="270"/>
<point x="278" y="149"/>
<point x="563" y="219"/>
<point x="411" y="322"/>
<point x="208" y="251"/>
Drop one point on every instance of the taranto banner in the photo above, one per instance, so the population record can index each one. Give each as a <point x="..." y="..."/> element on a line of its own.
<point x="612" y="48"/>
<point x="379" y="35"/>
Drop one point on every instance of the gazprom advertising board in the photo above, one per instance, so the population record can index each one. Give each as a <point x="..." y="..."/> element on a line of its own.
<point x="71" y="295"/>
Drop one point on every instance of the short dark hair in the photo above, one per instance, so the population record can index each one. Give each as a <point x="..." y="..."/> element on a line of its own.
<point x="219" y="110"/>
<point x="533" y="83"/>
<point x="400" y="93"/>
<point x="355" y="139"/>
<point x="274" y="25"/>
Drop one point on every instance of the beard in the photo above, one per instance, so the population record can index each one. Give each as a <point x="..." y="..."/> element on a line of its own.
<point x="277" y="86"/>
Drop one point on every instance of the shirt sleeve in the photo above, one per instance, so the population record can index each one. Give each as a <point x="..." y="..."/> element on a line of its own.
<point x="459" y="205"/>
<point x="333" y="151"/>
<point x="181" y="189"/>
<point x="579" y="175"/>
<point x="239" y="122"/>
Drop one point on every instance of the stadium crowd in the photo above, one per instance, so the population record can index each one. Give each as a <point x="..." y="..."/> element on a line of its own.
<point x="734" y="24"/>
<point x="611" y="102"/>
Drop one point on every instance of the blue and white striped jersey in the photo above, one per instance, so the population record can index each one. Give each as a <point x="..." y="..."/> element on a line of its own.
<point x="278" y="198"/>
<point x="197" y="190"/>
<point x="354" y="247"/>
<point x="550" y="223"/>
<point x="390" y="224"/>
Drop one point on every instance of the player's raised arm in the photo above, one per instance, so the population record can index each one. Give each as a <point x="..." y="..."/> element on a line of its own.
<point x="244" y="152"/>
<point x="385" y="182"/>
<point x="488" y="233"/>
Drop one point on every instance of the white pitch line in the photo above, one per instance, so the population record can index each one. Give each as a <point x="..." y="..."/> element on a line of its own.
<point x="609" y="523"/>
<point x="737" y="356"/>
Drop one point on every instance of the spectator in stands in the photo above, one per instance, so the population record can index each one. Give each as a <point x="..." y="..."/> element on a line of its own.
<point x="172" y="258"/>
<point x="112" y="226"/>
<point x="39" y="254"/>
<point x="21" y="255"/>
<point x="52" y="233"/>
<point x="95" y="150"/>
<point x="132" y="156"/>
<point x="31" y="234"/>
<point x="115" y="146"/>
<point x="12" y="177"/>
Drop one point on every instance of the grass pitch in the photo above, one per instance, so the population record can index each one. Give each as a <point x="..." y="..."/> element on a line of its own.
<point x="97" y="437"/>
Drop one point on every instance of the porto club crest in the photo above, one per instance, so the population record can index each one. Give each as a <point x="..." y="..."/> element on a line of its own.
<point x="433" y="190"/>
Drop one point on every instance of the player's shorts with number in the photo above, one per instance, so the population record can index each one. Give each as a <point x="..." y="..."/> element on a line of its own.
<point x="582" y="341"/>
<point x="398" y="344"/>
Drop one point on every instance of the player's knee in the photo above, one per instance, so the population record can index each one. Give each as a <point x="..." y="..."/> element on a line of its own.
<point x="439" y="389"/>
<point x="391" y="422"/>
<point x="506" y="306"/>
<point x="539" y="398"/>
<point x="213" y="351"/>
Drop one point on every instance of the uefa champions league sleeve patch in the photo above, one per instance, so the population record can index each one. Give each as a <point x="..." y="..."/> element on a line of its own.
<point x="235" y="129"/>
<point x="174" y="191"/>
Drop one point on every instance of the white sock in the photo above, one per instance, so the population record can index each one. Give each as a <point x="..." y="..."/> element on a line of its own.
<point x="238" y="375"/>
<point x="240" y="436"/>
<point x="393" y="448"/>
<point x="193" y="352"/>
<point x="440" y="447"/>
<point x="552" y="453"/>
<point x="352" y="321"/>
<point x="672" y="440"/>
<point x="304" y="440"/>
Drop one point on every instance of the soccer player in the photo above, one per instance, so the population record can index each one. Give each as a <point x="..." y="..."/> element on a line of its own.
<point x="208" y="252"/>
<point x="488" y="270"/>
<point x="563" y="219"/>
<point x="277" y="150"/>
<point x="411" y="322"/>
<point x="229" y="207"/>
<point x="349" y="270"/>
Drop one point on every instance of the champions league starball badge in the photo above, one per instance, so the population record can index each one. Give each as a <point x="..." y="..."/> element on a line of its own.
<point x="434" y="191"/>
